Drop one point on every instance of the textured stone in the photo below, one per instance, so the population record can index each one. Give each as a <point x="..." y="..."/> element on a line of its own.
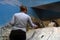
<point x="50" y="33"/>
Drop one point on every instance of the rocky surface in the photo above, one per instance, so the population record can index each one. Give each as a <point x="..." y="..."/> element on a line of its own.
<point x="49" y="33"/>
<point x="4" y="33"/>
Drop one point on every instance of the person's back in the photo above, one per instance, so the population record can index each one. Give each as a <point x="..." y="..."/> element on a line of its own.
<point x="21" y="21"/>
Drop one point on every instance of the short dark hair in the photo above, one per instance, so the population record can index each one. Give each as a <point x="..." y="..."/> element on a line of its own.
<point x="55" y="23"/>
<point x="22" y="8"/>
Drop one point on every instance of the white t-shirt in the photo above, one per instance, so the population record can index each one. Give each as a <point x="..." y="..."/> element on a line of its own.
<point x="20" y="20"/>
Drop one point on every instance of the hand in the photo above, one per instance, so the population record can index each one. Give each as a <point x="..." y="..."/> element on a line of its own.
<point x="36" y="27"/>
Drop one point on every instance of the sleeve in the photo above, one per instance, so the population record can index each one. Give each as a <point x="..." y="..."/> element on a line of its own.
<point x="12" y="22"/>
<point x="30" y="22"/>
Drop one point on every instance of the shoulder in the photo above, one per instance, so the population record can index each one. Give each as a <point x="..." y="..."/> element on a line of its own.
<point x="28" y="16"/>
<point x="16" y="14"/>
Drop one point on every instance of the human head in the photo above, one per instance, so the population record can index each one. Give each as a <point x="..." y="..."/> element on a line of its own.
<point x="56" y="24"/>
<point x="53" y="21"/>
<point x="23" y="9"/>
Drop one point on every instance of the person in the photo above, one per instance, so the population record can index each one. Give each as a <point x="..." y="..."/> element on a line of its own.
<point x="53" y="23"/>
<point x="19" y="23"/>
